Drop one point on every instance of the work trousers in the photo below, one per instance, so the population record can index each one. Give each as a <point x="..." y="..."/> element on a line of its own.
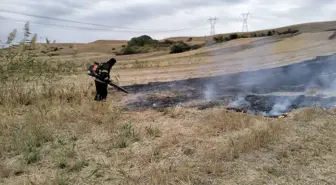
<point x="101" y="91"/>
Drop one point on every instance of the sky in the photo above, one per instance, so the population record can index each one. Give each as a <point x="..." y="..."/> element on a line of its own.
<point x="124" y="19"/>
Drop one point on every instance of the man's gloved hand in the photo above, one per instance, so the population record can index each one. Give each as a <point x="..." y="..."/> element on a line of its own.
<point x="106" y="79"/>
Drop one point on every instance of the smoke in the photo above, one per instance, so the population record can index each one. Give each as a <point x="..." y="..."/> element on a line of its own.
<point x="301" y="78"/>
<point x="240" y="102"/>
<point x="209" y="92"/>
<point x="281" y="107"/>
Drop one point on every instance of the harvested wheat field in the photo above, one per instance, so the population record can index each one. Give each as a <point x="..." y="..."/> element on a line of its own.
<point x="246" y="111"/>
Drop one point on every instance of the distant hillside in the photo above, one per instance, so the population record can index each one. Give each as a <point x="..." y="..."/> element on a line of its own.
<point x="303" y="28"/>
<point x="109" y="42"/>
<point x="111" y="47"/>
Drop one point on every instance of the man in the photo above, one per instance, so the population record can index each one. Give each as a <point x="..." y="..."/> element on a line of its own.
<point x="104" y="73"/>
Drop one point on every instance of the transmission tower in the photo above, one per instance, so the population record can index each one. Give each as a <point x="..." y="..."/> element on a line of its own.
<point x="212" y="25"/>
<point x="245" y="17"/>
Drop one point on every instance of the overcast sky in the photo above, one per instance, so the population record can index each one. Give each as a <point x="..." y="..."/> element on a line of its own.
<point x="157" y="18"/>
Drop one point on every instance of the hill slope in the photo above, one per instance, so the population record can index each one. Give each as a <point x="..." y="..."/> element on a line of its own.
<point x="111" y="46"/>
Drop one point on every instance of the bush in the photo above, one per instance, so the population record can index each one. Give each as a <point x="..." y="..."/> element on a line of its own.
<point x="262" y="35"/>
<point x="233" y="36"/>
<point x="128" y="50"/>
<point x="179" y="47"/>
<point x="219" y="39"/>
<point x="143" y="44"/>
<point x="269" y="33"/>
<point x="289" y="31"/>
<point x="169" y="42"/>
<point x="141" y="41"/>
<point x="196" y="46"/>
<point x="190" y="39"/>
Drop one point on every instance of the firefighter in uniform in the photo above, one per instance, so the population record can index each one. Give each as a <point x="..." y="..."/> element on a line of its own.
<point x="104" y="72"/>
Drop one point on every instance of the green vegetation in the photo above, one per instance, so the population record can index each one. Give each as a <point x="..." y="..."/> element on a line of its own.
<point x="221" y="38"/>
<point x="180" y="47"/>
<point x="145" y="44"/>
<point x="142" y="44"/>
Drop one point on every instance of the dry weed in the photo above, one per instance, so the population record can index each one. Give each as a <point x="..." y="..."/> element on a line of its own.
<point x="126" y="135"/>
<point x="237" y="133"/>
<point x="5" y="171"/>
<point x="153" y="131"/>
<point x="27" y="137"/>
<point x="175" y="112"/>
<point x="262" y="133"/>
<point x="218" y="121"/>
<point x="309" y="114"/>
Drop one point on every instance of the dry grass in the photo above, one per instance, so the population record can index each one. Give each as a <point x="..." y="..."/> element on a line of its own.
<point x="101" y="143"/>
<point x="56" y="134"/>
<point x="52" y="141"/>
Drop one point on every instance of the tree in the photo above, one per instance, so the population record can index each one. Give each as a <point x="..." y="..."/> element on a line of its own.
<point x="140" y="41"/>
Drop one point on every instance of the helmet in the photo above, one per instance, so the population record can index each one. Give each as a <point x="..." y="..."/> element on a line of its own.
<point x="112" y="61"/>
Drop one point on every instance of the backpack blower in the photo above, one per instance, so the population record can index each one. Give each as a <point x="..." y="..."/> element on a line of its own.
<point x="93" y="72"/>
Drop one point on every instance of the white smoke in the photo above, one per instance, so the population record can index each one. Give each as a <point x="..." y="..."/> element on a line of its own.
<point x="239" y="103"/>
<point x="300" y="77"/>
<point x="281" y="107"/>
<point x="209" y="92"/>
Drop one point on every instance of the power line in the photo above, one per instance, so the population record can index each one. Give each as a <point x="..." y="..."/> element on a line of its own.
<point x="245" y="17"/>
<point x="92" y="24"/>
<point x="85" y="28"/>
<point x="212" y="25"/>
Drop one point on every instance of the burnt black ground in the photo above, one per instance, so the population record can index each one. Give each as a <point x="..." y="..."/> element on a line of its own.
<point x="317" y="73"/>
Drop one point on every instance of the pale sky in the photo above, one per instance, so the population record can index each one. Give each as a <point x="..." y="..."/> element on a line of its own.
<point x="159" y="19"/>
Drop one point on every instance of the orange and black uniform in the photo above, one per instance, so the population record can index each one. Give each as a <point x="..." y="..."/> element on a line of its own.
<point x="104" y="73"/>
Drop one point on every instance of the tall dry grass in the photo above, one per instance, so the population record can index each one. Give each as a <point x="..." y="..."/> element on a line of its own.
<point x="39" y="111"/>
